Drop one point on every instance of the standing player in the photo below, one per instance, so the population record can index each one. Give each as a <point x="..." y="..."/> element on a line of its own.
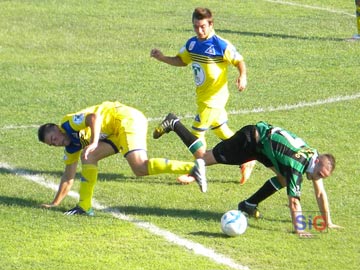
<point x="209" y="55"/>
<point x="287" y="155"/>
<point x="98" y="132"/>
<point x="357" y="5"/>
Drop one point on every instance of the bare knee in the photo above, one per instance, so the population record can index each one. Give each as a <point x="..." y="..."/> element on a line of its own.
<point x="140" y="171"/>
<point x="138" y="163"/>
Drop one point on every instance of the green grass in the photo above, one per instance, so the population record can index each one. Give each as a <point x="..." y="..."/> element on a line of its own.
<point x="60" y="56"/>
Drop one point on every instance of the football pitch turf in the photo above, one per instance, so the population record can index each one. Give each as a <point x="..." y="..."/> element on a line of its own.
<point x="58" y="57"/>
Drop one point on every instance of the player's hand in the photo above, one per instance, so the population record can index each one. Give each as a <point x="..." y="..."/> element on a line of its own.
<point x="47" y="206"/>
<point x="334" y="226"/>
<point x="241" y="83"/>
<point x="156" y="53"/>
<point x="88" y="149"/>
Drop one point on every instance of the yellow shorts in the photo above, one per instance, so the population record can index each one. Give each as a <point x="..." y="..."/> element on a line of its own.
<point x="209" y="118"/>
<point x="130" y="127"/>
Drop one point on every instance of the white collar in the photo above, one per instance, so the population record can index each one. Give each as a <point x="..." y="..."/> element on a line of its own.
<point x="310" y="168"/>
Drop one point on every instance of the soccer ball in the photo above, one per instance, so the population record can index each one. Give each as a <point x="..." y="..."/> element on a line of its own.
<point x="233" y="223"/>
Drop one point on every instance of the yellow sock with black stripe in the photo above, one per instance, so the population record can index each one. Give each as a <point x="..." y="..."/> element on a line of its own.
<point x="88" y="180"/>
<point x="163" y="165"/>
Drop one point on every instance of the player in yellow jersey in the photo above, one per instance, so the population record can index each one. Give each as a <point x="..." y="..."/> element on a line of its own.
<point x="209" y="56"/>
<point x="357" y="36"/>
<point x="98" y="132"/>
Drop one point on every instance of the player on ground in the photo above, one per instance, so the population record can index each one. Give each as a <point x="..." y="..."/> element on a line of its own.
<point x="98" y="132"/>
<point x="209" y="56"/>
<point x="287" y="155"/>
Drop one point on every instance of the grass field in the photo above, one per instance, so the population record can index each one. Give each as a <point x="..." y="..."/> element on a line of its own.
<point x="57" y="57"/>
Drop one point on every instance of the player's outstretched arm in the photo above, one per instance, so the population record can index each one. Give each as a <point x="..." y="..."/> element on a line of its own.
<point x="66" y="183"/>
<point x="170" y="60"/>
<point x="323" y="202"/>
<point x="295" y="210"/>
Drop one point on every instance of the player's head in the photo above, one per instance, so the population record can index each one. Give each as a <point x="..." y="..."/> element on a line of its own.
<point x="51" y="134"/>
<point x="324" y="166"/>
<point x="203" y="21"/>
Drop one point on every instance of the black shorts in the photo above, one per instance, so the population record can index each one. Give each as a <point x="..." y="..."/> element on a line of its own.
<point x="240" y="148"/>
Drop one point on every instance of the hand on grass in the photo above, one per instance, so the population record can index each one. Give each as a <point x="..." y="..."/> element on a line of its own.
<point x="47" y="206"/>
<point x="334" y="226"/>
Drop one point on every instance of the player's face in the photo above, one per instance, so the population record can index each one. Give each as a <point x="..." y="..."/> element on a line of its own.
<point x="322" y="170"/>
<point x="55" y="137"/>
<point x="202" y="28"/>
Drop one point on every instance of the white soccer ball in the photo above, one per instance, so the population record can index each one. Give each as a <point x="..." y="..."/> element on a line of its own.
<point x="233" y="223"/>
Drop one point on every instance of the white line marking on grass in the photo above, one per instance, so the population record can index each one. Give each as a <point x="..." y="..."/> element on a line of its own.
<point x="311" y="7"/>
<point x="169" y="236"/>
<point x="298" y="105"/>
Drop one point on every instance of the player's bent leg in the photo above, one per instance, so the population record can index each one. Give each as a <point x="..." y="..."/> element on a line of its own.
<point x="88" y="180"/>
<point x="138" y="162"/>
<point x="163" y="165"/>
<point x="142" y="166"/>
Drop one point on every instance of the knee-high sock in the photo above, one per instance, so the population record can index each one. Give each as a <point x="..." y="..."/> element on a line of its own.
<point x="358" y="18"/>
<point x="163" y="165"/>
<point x="190" y="140"/>
<point x="88" y="180"/>
<point x="269" y="188"/>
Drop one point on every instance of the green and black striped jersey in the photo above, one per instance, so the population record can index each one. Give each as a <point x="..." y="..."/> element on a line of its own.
<point x="289" y="154"/>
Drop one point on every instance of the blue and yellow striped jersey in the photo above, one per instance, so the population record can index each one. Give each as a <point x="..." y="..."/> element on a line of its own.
<point x="75" y="127"/>
<point x="210" y="59"/>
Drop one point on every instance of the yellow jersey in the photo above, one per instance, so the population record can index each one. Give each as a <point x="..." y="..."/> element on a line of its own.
<point x="118" y="121"/>
<point x="210" y="59"/>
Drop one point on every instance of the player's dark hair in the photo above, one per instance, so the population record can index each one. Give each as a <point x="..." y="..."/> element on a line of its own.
<point x="201" y="14"/>
<point x="43" y="129"/>
<point x="331" y="160"/>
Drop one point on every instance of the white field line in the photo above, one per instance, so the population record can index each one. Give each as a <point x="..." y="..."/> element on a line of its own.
<point x="313" y="7"/>
<point x="239" y="112"/>
<point x="167" y="235"/>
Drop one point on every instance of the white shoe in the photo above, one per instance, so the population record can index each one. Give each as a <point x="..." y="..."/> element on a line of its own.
<point x="198" y="172"/>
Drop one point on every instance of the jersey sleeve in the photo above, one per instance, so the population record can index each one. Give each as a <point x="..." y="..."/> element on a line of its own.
<point x="184" y="55"/>
<point x="293" y="188"/>
<point x="232" y="56"/>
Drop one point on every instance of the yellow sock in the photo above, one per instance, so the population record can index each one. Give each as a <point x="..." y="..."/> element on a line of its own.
<point x="88" y="180"/>
<point x="358" y="18"/>
<point x="163" y="165"/>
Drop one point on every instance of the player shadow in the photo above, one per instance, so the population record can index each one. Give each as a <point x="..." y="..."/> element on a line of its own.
<point x="210" y="234"/>
<point x="16" y="201"/>
<point x="161" y="212"/>
<point x="26" y="203"/>
<point x="58" y="174"/>
<point x="278" y="36"/>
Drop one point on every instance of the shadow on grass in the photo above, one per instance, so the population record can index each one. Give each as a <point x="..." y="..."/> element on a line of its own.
<point x="104" y="177"/>
<point x="58" y="174"/>
<point x="210" y="234"/>
<point x="279" y="36"/>
<point x="22" y="202"/>
<point x="161" y="212"/>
